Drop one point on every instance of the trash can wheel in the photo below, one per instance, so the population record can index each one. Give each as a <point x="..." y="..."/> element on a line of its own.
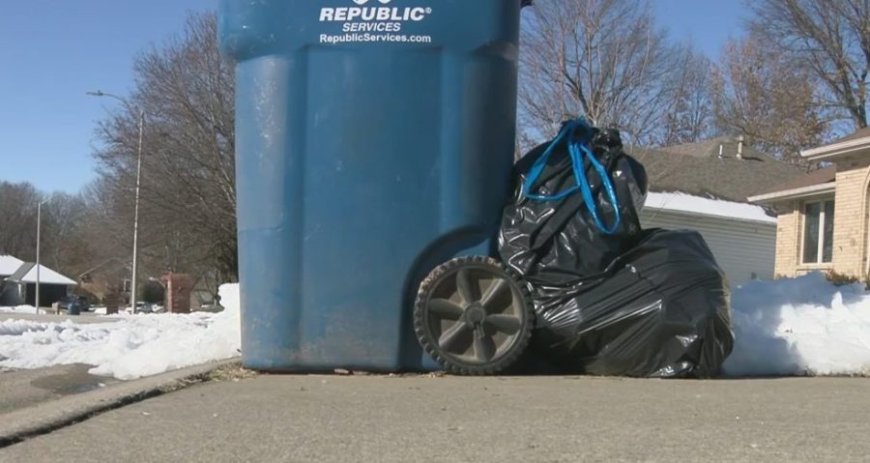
<point x="473" y="316"/>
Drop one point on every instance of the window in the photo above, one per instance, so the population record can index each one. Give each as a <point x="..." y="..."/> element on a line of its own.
<point x="818" y="232"/>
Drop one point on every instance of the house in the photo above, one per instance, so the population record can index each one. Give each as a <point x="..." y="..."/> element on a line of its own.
<point x="109" y="282"/>
<point x="705" y="186"/>
<point x="823" y="216"/>
<point x="19" y="286"/>
<point x="8" y="266"/>
<point x="109" y="279"/>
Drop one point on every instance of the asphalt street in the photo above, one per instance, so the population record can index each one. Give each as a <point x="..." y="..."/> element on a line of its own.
<point x="26" y="388"/>
<point x="52" y="318"/>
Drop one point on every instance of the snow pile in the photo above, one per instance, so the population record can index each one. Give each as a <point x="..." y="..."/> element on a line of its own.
<point x="19" y="309"/>
<point x="800" y="326"/>
<point x="129" y="348"/>
<point x="682" y="202"/>
<point x="16" y="327"/>
<point x="786" y="327"/>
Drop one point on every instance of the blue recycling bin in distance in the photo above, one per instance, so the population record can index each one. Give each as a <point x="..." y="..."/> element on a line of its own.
<point x="374" y="141"/>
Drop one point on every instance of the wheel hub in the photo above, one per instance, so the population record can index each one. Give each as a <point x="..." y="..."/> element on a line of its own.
<point x="475" y="314"/>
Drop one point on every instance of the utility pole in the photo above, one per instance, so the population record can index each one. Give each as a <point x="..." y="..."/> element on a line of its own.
<point x="135" y="275"/>
<point x="133" y="295"/>
<point x="38" y="243"/>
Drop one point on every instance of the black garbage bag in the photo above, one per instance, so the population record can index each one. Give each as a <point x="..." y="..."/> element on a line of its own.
<point x="662" y="309"/>
<point x="610" y="298"/>
<point x="576" y="206"/>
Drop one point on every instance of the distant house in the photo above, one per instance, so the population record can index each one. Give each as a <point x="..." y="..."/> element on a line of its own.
<point x="18" y="286"/>
<point x="8" y="266"/>
<point x="823" y="215"/>
<point x="109" y="279"/>
<point x="705" y="186"/>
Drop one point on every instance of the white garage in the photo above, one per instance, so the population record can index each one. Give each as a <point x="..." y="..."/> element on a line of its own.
<point x="742" y="236"/>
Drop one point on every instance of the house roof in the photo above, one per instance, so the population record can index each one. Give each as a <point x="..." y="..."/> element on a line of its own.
<point x="696" y="205"/>
<point x="26" y="273"/>
<point x="816" y="177"/>
<point x="858" y="134"/>
<point x="697" y="169"/>
<point x="856" y="143"/>
<point x="104" y="264"/>
<point x="22" y="270"/>
<point x="9" y="264"/>
<point x="820" y="181"/>
<point x="710" y="148"/>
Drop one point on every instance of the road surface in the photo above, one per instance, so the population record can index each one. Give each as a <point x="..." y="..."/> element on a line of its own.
<point x="527" y="419"/>
<point x="25" y="388"/>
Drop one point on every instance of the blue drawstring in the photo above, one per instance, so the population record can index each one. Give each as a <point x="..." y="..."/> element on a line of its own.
<point x="578" y="148"/>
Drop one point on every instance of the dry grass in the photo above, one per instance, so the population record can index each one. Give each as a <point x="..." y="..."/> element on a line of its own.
<point x="234" y="372"/>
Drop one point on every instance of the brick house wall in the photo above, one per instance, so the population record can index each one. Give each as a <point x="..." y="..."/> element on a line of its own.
<point x="850" y="217"/>
<point x="788" y="225"/>
<point x="851" y="223"/>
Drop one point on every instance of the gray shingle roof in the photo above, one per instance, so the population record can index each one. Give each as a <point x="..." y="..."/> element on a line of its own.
<point x="8" y="265"/>
<point x="816" y="177"/>
<point x="27" y="274"/>
<point x="21" y="272"/>
<point x="698" y="170"/>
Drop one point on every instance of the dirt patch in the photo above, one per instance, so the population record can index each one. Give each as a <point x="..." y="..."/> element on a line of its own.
<point x="234" y="372"/>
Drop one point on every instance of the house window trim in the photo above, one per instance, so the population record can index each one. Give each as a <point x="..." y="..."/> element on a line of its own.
<point x="819" y="264"/>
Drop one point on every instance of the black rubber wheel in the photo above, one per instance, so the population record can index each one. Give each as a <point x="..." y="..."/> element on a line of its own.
<point x="473" y="316"/>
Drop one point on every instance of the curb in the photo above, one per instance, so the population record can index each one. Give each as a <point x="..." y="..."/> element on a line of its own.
<point x="44" y="418"/>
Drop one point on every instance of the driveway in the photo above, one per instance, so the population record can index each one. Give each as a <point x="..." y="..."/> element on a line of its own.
<point x="404" y="419"/>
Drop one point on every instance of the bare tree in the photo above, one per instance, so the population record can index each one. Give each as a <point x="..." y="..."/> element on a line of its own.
<point x="63" y="247"/>
<point x="831" y="38"/>
<point x="64" y="216"/>
<point x="18" y="203"/>
<point x="602" y="59"/>
<point x="186" y="90"/>
<point x="688" y="115"/>
<point x="760" y="93"/>
<point x="108" y="216"/>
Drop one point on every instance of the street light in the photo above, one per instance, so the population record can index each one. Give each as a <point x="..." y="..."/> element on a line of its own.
<point x="136" y="206"/>
<point x="38" y="241"/>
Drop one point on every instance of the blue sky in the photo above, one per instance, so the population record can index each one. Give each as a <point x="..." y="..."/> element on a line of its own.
<point x="53" y="51"/>
<point x="707" y="24"/>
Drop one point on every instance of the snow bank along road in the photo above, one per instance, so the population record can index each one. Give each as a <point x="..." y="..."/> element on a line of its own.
<point x="786" y="327"/>
<point x="129" y="346"/>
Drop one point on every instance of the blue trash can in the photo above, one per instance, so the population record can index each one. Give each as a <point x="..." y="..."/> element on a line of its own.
<point x="374" y="141"/>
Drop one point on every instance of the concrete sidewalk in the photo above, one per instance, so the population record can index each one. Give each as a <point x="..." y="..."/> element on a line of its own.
<point x="401" y="419"/>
